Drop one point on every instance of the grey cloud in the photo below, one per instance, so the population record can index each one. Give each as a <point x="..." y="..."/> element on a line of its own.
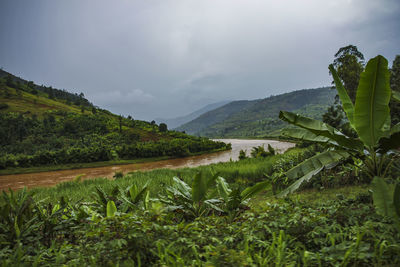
<point x="165" y="58"/>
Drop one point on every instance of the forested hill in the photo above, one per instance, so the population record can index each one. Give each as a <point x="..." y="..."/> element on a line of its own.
<point x="258" y="118"/>
<point x="42" y="125"/>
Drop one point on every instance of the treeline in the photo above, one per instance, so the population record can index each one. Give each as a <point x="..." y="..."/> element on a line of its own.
<point x="175" y="148"/>
<point x="72" y="138"/>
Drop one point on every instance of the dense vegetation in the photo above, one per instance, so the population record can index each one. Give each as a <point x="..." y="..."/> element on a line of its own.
<point x="152" y="218"/>
<point x="259" y="118"/>
<point x="45" y="126"/>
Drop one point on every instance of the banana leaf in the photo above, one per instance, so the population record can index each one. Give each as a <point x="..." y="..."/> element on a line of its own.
<point x="111" y="208"/>
<point x="371" y="110"/>
<point x="306" y="135"/>
<point x="253" y="190"/>
<point x="140" y="196"/>
<point x="223" y="188"/>
<point x="182" y="187"/>
<point x="321" y="129"/>
<point x="347" y="104"/>
<point x="199" y="187"/>
<point x="311" y="167"/>
<point x="201" y="184"/>
<point x="382" y="197"/>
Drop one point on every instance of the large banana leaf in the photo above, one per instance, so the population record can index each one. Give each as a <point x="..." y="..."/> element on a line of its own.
<point x="321" y="129"/>
<point x="306" y="135"/>
<point x="344" y="97"/>
<point x="382" y="198"/>
<point x="201" y="184"/>
<point x="181" y="188"/>
<point x="371" y="111"/>
<point x="311" y="167"/>
<point x="253" y="190"/>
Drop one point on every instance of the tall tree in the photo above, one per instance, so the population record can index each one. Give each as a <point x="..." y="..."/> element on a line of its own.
<point x="349" y="64"/>
<point x="162" y="127"/>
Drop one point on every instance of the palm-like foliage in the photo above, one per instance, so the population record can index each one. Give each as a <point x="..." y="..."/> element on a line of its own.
<point x="369" y="117"/>
<point x="208" y="194"/>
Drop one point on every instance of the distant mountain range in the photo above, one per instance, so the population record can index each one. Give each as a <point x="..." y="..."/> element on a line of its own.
<point x="175" y="122"/>
<point x="259" y="118"/>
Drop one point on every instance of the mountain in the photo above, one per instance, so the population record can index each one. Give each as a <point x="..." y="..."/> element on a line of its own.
<point x="258" y="118"/>
<point x="178" y="121"/>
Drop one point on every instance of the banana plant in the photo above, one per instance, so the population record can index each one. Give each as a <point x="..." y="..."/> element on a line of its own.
<point x="207" y="195"/>
<point x="369" y="116"/>
<point x="17" y="217"/>
<point x="195" y="200"/>
<point x="132" y="198"/>
<point x="387" y="199"/>
<point x="236" y="200"/>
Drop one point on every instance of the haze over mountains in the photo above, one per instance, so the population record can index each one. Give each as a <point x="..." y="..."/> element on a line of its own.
<point x="178" y="121"/>
<point x="258" y="118"/>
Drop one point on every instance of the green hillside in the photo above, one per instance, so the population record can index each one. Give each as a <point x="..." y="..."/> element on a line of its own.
<point x="41" y="126"/>
<point x="215" y="116"/>
<point x="259" y="118"/>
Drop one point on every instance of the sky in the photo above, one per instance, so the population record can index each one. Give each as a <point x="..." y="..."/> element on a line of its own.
<point x="167" y="58"/>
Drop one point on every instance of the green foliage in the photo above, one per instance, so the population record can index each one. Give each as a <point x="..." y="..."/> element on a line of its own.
<point x="341" y="231"/>
<point x="346" y="68"/>
<point x="260" y="152"/>
<point x="371" y="112"/>
<point x="111" y="209"/>
<point x="371" y="121"/>
<point x="162" y="127"/>
<point x="349" y="63"/>
<point x="242" y="154"/>
<point x="387" y="199"/>
<point x="118" y="175"/>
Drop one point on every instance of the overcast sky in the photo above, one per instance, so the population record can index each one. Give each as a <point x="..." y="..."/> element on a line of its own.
<point x="167" y="58"/>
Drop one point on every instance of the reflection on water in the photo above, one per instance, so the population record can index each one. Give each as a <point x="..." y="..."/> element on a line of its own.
<point x="17" y="181"/>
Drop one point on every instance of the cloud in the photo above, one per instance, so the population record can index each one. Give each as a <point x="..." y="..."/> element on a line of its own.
<point x="182" y="55"/>
<point x="112" y="97"/>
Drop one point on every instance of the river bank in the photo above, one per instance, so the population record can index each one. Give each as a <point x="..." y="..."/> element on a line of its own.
<point x="50" y="178"/>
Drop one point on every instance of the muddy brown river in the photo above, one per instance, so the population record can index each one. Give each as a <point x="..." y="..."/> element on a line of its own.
<point x="17" y="181"/>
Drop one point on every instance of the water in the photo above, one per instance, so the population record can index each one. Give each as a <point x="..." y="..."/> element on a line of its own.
<point x="17" y="181"/>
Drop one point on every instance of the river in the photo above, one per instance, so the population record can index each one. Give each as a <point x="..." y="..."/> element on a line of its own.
<point x="17" y="181"/>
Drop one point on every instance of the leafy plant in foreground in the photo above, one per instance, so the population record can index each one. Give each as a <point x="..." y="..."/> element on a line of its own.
<point x="370" y="118"/>
<point x="207" y="195"/>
